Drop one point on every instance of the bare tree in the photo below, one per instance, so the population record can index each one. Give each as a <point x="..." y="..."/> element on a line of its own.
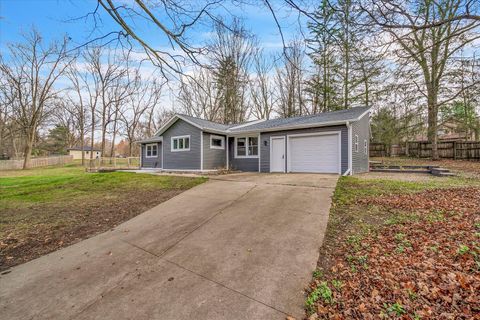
<point x="145" y="96"/>
<point x="290" y="82"/>
<point x="77" y="103"/>
<point x="261" y="87"/>
<point x="429" y="50"/>
<point x="230" y="56"/>
<point x="31" y="72"/>
<point x="198" y="95"/>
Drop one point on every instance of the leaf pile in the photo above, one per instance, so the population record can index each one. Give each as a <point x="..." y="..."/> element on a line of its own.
<point x="423" y="267"/>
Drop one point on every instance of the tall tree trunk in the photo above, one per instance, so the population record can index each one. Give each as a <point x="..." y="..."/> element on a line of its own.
<point x="28" y="150"/>
<point x="433" y="122"/>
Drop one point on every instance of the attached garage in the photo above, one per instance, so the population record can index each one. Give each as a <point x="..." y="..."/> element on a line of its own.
<point x="315" y="152"/>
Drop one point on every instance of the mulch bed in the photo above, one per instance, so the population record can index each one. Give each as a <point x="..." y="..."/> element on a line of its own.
<point x="424" y="267"/>
<point x="89" y="218"/>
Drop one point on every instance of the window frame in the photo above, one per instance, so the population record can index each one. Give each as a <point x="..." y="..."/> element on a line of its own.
<point x="355" y="143"/>
<point x="178" y="138"/>
<point x="151" y="145"/>
<point x="222" y="138"/>
<point x="247" y="145"/>
<point x="365" y="146"/>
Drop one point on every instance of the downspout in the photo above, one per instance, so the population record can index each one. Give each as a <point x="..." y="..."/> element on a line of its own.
<point x="227" y="150"/>
<point x="350" y="166"/>
<point x="201" y="150"/>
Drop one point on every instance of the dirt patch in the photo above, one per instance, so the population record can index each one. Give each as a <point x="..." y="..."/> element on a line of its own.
<point x="420" y="260"/>
<point x="77" y="220"/>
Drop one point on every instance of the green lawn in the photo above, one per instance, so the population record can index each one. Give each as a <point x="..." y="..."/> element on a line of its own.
<point x="53" y="184"/>
<point x="47" y="208"/>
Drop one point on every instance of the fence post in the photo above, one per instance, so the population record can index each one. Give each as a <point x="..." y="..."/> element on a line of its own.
<point x="454" y="150"/>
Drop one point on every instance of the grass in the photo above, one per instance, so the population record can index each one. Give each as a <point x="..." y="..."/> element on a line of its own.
<point x="24" y="188"/>
<point x="43" y="209"/>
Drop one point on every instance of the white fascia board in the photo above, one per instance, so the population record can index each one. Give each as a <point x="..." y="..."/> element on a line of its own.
<point x="362" y="115"/>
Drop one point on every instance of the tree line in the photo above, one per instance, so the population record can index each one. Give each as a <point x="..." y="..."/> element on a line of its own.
<point x="414" y="62"/>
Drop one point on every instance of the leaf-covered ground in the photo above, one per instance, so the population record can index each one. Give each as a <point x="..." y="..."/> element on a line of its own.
<point x="397" y="252"/>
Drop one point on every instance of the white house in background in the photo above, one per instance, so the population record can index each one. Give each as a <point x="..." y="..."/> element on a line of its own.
<point x="76" y="152"/>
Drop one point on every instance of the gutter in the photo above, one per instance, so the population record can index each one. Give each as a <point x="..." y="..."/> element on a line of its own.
<point x="350" y="154"/>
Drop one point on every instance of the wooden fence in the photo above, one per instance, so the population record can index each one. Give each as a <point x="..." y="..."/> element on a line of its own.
<point x="381" y="150"/>
<point x="35" y="162"/>
<point x="461" y="150"/>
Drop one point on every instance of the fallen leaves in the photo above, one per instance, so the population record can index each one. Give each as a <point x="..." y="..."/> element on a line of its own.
<point x="425" y="267"/>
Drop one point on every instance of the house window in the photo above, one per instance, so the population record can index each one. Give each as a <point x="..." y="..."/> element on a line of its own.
<point x="217" y="142"/>
<point x="356" y="143"/>
<point x="181" y="143"/>
<point x="365" y="146"/>
<point x="151" y="150"/>
<point x="246" y="147"/>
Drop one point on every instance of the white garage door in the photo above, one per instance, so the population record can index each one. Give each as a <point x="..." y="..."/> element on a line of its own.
<point x="314" y="153"/>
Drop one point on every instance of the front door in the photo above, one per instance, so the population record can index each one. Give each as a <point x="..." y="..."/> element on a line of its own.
<point x="277" y="155"/>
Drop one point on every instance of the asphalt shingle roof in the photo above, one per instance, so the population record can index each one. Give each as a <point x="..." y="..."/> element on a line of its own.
<point x="207" y="124"/>
<point x="321" y="118"/>
<point x="269" y="125"/>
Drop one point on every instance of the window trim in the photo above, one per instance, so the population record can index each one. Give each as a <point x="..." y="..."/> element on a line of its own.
<point x="151" y="151"/>
<point x="222" y="138"/>
<point x="236" y="156"/>
<point x="365" y="146"/>
<point x="180" y="137"/>
<point x="355" y="143"/>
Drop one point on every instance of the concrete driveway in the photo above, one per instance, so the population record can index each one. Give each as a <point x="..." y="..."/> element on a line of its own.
<point x="240" y="246"/>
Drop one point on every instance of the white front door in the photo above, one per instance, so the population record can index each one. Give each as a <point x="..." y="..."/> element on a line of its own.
<point x="277" y="154"/>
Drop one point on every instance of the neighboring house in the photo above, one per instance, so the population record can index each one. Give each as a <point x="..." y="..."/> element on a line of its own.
<point x="76" y="152"/>
<point x="332" y="142"/>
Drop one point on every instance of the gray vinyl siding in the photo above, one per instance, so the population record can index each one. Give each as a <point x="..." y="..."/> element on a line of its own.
<point x="265" y="144"/>
<point x="360" y="159"/>
<point x="213" y="158"/>
<point x="242" y="164"/>
<point x="152" y="162"/>
<point x="182" y="160"/>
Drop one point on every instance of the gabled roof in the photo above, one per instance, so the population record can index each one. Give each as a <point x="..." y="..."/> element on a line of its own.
<point x="320" y="119"/>
<point x="196" y="122"/>
<point x="205" y="124"/>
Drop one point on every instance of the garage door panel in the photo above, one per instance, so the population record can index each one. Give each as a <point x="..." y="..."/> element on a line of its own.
<point x="316" y="153"/>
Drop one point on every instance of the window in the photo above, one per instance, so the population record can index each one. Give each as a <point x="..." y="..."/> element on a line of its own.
<point x="246" y="147"/>
<point x="217" y="142"/>
<point x="356" y="143"/>
<point x="181" y="143"/>
<point x="253" y="146"/>
<point x="365" y="146"/>
<point x="151" y="150"/>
